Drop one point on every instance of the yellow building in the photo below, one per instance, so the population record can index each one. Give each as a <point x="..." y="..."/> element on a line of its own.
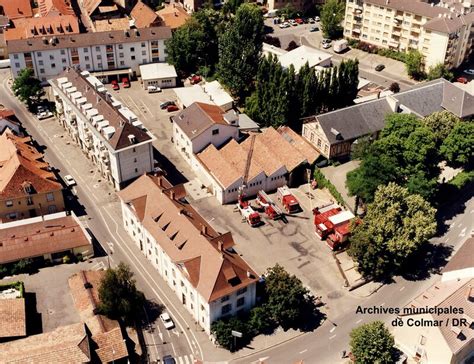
<point x="443" y="33"/>
<point x="27" y="187"/>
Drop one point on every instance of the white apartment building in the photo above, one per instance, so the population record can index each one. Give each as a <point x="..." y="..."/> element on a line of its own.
<point x="108" y="53"/>
<point x="210" y="279"/>
<point x="443" y="33"/>
<point x="107" y="131"/>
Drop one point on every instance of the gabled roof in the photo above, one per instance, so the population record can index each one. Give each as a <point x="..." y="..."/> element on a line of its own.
<point x="14" y="9"/>
<point x="188" y="239"/>
<point x="20" y="163"/>
<point x="12" y="317"/>
<point x="42" y="26"/>
<point x="464" y="257"/>
<point x="457" y="100"/>
<point x="66" y="344"/>
<point x="89" y="6"/>
<point x="55" y="7"/>
<point x="450" y="23"/>
<point x="198" y="117"/>
<point x="143" y="15"/>
<point x="173" y="16"/>
<point x="412" y="6"/>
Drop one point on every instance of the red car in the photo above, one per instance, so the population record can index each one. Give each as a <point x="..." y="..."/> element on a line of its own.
<point x="115" y="85"/>
<point x="299" y="21"/>
<point x="171" y="108"/>
<point x="195" y="79"/>
<point x="462" y="80"/>
<point x="125" y="82"/>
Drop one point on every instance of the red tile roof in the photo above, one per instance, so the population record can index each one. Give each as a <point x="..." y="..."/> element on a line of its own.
<point x="143" y="15"/>
<point x="15" y="9"/>
<point x="173" y="15"/>
<point x="55" y="7"/>
<point x="44" y="26"/>
<point x="12" y="317"/>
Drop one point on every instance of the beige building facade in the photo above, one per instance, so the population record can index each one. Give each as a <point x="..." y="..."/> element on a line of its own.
<point x="443" y="33"/>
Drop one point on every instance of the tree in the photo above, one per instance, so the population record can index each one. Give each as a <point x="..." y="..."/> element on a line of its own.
<point x="261" y="320"/>
<point x="397" y="223"/>
<point x="458" y="147"/>
<point x="27" y="88"/>
<point x="290" y="303"/>
<point x="119" y="296"/>
<point x="394" y="87"/>
<point x="441" y="123"/>
<point x="439" y="71"/>
<point x="414" y="64"/>
<point x="332" y="14"/>
<point x="288" y="12"/>
<point x="239" y="50"/>
<point x="22" y="266"/>
<point x="372" y="343"/>
<point x="292" y="45"/>
<point x="222" y="331"/>
<point x="231" y="6"/>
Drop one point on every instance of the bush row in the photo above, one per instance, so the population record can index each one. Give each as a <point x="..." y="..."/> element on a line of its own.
<point x="323" y="182"/>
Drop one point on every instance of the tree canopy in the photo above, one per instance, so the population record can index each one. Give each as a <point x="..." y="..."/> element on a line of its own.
<point x="397" y="223"/>
<point x="240" y="46"/>
<point x="441" y="123"/>
<point x="119" y="296"/>
<point x="372" y="343"/>
<point x="27" y="88"/>
<point x="458" y="147"/>
<point x="332" y="14"/>
<point x="414" y="64"/>
<point x="439" y="71"/>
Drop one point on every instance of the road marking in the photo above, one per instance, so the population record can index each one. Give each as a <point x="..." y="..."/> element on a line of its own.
<point x="463" y="232"/>
<point x="401" y="289"/>
<point x="174" y="350"/>
<point x="161" y="336"/>
<point x="188" y="360"/>
<point x="359" y="320"/>
<point x="332" y="330"/>
<point x="332" y="337"/>
<point x="180" y="360"/>
<point x="303" y="351"/>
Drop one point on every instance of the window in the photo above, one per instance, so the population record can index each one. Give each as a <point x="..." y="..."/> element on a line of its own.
<point x="11" y="215"/>
<point x="86" y="58"/>
<point x="97" y="49"/>
<point x="40" y="62"/>
<point x="9" y="203"/>
<point x="143" y="53"/>
<point x="226" y="308"/>
<point x="99" y="65"/>
<point x="143" y="44"/>
<point x="202" y="308"/>
<point x="52" y="209"/>
<point x="29" y="201"/>
<point x="144" y="60"/>
<point x="64" y="60"/>
<point x="215" y="132"/>
<point x="53" y="65"/>
<point x="132" y="49"/>
<point x="240" y="301"/>
<point x="134" y="150"/>
<point x="17" y="65"/>
<point x="121" y="55"/>
<point x="132" y="58"/>
<point x="241" y="291"/>
<point x="225" y="298"/>
<point x="15" y="56"/>
<point x="122" y="63"/>
<point x="136" y="170"/>
<point x="99" y="56"/>
<point x="63" y="52"/>
<point x="41" y="70"/>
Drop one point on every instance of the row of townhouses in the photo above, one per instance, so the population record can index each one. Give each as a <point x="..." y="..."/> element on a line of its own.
<point x="108" y="132"/>
<point x="209" y="277"/>
<point x="442" y="32"/>
<point x="108" y="53"/>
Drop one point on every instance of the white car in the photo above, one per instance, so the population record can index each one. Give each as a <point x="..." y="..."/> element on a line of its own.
<point x="284" y="25"/>
<point x="44" y="114"/>
<point x="469" y="71"/>
<point x="69" y="180"/>
<point x="167" y="321"/>
<point x="316" y="18"/>
<point x="326" y="45"/>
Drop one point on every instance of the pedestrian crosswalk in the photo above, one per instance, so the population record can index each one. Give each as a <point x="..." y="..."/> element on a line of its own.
<point x="185" y="359"/>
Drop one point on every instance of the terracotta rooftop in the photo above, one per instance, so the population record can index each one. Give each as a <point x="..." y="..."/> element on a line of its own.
<point x="464" y="257"/>
<point x="12" y="317"/>
<point x="203" y="254"/>
<point x="27" y="28"/>
<point x="173" y="15"/>
<point x="55" y="7"/>
<point x="21" y="163"/>
<point x="106" y="333"/>
<point x="66" y="344"/>
<point x="143" y="15"/>
<point x="106" y="25"/>
<point x="88" y="39"/>
<point x="411" y="6"/>
<point x="100" y="102"/>
<point x="272" y="151"/>
<point x="10" y="116"/>
<point x="89" y="6"/>
<point x="27" y="238"/>
<point x="449" y="24"/>
<point x="14" y="9"/>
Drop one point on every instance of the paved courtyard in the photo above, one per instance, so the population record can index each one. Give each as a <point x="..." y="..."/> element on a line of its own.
<point x="337" y="176"/>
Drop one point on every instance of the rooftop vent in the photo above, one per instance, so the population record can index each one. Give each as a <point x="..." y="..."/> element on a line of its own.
<point x="126" y="33"/>
<point x="132" y="139"/>
<point x="137" y="32"/>
<point x="45" y="41"/>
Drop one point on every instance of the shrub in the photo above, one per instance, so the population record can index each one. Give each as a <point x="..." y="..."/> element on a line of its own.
<point x="22" y="266"/>
<point x="66" y="259"/>
<point x="462" y="179"/>
<point x="389" y="53"/>
<point x="323" y="182"/>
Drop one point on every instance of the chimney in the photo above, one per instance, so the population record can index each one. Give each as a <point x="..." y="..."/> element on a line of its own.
<point x="203" y="230"/>
<point x="470" y="294"/>
<point x="172" y="194"/>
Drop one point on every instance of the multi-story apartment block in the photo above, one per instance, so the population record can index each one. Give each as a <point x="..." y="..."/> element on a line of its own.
<point x="27" y="186"/>
<point x="442" y="32"/>
<point x="107" y="132"/>
<point x="111" y="53"/>
<point x="209" y="277"/>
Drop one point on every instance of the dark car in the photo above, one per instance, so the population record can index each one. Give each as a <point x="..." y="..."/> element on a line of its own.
<point x="379" y="67"/>
<point x="168" y="359"/>
<point x="171" y="108"/>
<point x="165" y="104"/>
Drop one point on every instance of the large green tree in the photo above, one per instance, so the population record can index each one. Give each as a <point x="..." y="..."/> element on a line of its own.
<point x="414" y="64"/>
<point x="397" y="223"/>
<point x="372" y="343"/>
<point x="332" y="15"/>
<point x="119" y="296"/>
<point x="441" y="123"/>
<point x="439" y="71"/>
<point x="27" y="88"/>
<point x="240" y="46"/>
<point x="458" y="147"/>
<point x="222" y="331"/>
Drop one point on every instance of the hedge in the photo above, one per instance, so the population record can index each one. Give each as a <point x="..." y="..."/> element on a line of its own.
<point x="16" y="285"/>
<point x="462" y="179"/>
<point x="324" y="182"/>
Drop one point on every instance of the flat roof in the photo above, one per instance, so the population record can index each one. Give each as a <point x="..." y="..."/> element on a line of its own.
<point x="341" y="217"/>
<point x="189" y="95"/>
<point x="155" y="71"/>
<point x="299" y="56"/>
<point x="217" y="93"/>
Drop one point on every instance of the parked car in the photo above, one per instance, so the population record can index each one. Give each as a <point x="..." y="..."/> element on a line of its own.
<point x="125" y="82"/>
<point x="115" y="85"/>
<point x="69" y="180"/>
<point x="152" y="89"/>
<point x="284" y="25"/>
<point x="156" y="166"/>
<point x="326" y="40"/>
<point x="293" y="22"/>
<point x="172" y="108"/>
<point x="195" y="79"/>
<point x="165" y="104"/>
<point x="326" y="45"/>
<point x="462" y="80"/>
<point x="167" y="321"/>
<point x="299" y="21"/>
<point x="311" y="20"/>
<point x="44" y="114"/>
<point x="469" y="71"/>
<point x="313" y="29"/>
<point x="316" y="18"/>
<point x="379" y="67"/>
<point x="168" y="359"/>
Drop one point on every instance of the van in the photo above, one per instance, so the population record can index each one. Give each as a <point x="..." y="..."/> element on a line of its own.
<point x="271" y="14"/>
<point x="153" y="89"/>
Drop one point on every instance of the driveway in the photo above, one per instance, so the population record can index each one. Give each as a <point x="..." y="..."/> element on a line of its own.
<point x="337" y="176"/>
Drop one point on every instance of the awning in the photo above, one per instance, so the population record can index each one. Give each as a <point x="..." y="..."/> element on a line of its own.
<point x="112" y="72"/>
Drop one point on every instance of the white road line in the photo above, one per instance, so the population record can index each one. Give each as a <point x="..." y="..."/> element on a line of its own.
<point x="332" y="337"/>
<point x="188" y="360"/>
<point x="174" y="350"/>
<point x="303" y="351"/>
<point x="359" y="320"/>
<point x="401" y="289"/>
<point x="332" y="330"/>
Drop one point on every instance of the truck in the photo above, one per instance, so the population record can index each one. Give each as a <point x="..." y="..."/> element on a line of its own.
<point x="251" y="216"/>
<point x="289" y="202"/>
<point x="333" y="225"/>
<point x="270" y="208"/>
<point x="340" y="45"/>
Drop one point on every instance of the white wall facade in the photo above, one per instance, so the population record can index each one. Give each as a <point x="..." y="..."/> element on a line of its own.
<point x="202" y="312"/>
